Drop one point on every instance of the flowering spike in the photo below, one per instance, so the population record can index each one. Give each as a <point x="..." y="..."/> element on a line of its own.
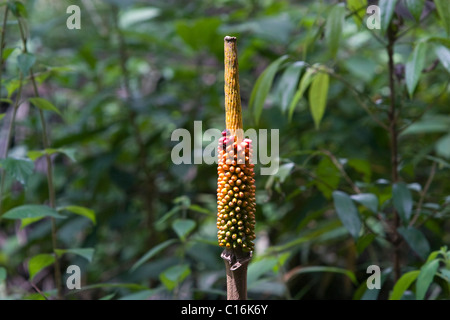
<point x="235" y="184"/>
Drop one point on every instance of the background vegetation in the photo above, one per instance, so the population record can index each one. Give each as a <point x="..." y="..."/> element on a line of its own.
<point x="86" y="122"/>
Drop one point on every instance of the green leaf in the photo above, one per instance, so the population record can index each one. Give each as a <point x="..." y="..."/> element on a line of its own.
<point x="333" y="28"/>
<point x="129" y="286"/>
<point x="7" y="52"/>
<point x="262" y="87"/>
<point x="39" y="262"/>
<point x="362" y="166"/>
<point x="403" y="284"/>
<point x="368" y="200"/>
<point x="443" y="146"/>
<point x="346" y="272"/>
<point x="416" y="240"/>
<point x="174" y="275"/>
<point x="183" y="227"/>
<point x="443" y="9"/>
<point x="25" y="61"/>
<point x="364" y="242"/>
<point x="82" y="211"/>
<point x="318" y="97"/>
<point x="430" y="124"/>
<point x="425" y="278"/>
<point x="86" y="253"/>
<point x="347" y="212"/>
<point x="26" y="221"/>
<point x="32" y="211"/>
<point x="35" y="154"/>
<point x="443" y="55"/>
<point x="415" y="7"/>
<point x="414" y="66"/>
<point x="18" y="8"/>
<point x="328" y="177"/>
<point x="151" y="253"/>
<point x="304" y="84"/>
<point x="2" y="115"/>
<point x="12" y="85"/>
<point x="200" y="209"/>
<point x="358" y="7"/>
<point x="68" y="152"/>
<point x="200" y="33"/>
<point x="3" y="274"/>
<point x="288" y="83"/>
<point x="19" y="169"/>
<point x="44" y="104"/>
<point x="141" y="295"/>
<point x="387" y="8"/>
<point x="259" y="268"/>
<point x="403" y="201"/>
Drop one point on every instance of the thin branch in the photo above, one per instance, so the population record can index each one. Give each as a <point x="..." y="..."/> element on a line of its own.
<point x="423" y="194"/>
<point x="8" y="138"/>
<point x="341" y="169"/>
<point x="2" y="45"/>
<point x="38" y="291"/>
<point x="431" y="67"/>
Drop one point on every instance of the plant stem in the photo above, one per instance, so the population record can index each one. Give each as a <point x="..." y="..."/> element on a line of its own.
<point x="8" y="138"/>
<point x="51" y="188"/>
<point x="393" y="139"/>
<point x="2" y="45"/>
<point x="236" y="263"/>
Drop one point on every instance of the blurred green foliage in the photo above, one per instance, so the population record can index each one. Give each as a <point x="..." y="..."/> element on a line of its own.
<point x="142" y="227"/>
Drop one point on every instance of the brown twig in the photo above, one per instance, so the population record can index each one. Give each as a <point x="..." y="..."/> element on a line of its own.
<point x="423" y="194"/>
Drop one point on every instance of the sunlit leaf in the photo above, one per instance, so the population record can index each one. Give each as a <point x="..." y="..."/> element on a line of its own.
<point x="333" y="28"/>
<point x="414" y="66"/>
<point x="318" y="97"/>
<point x="425" y="278"/>
<point x="39" y="262"/>
<point x="44" y="104"/>
<point x="262" y="87"/>
<point x="403" y="284"/>
<point x="86" y="212"/>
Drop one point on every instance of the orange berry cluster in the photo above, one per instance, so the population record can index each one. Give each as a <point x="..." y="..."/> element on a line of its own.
<point x="235" y="194"/>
